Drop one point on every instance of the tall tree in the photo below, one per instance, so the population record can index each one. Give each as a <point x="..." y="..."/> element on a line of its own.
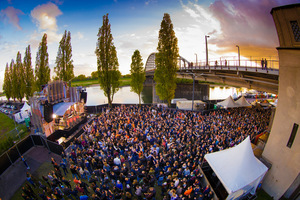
<point x="64" y="68"/>
<point x="20" y="82"/>
<point x="7" y="85"/>
<point x="14" y="79"/>
<point x="137" y="74"/>
<point x="42" y="69"/>
<point x="166" y="61"/>
<point x="28" y="75"/>
<point x="107" y="61"/>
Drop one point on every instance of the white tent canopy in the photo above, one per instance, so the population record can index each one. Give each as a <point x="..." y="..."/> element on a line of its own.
<point x="242" y="102"/>
<point x="25" y="111"/>
<point x="238" y="169"/>
<point x="25" y="107"/>
<point x="228" y="103"/>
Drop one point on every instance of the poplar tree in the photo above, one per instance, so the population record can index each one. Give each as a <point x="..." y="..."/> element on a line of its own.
<point x="7" y="84"/>
<point x="137" y="74"/>
<point x="107" y="61"/>
<point x="42" y="69"/>
<point x="64" y="68"/>
<point x="166" y="61"/>
<point x="28" y="75"/>
<point x="14" y="79"/>
<point x="20" y="83"/>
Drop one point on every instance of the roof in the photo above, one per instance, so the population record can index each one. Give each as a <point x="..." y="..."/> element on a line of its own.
<point x="242" y="102"/>
<point x="285" y="6"/>
<point x="228" y="103"/>
<point x="236" y="167"/>
<point x="59" y="109"/>
<point x="25" y="107"/>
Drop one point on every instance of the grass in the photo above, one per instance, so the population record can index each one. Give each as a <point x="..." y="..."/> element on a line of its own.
<point x="262" y="195"/>
<point x="44" y="169"/>
<point x="8" y="134"/>
<point x="84" y="83"/>
<point x="7" y="124"/>
<point x="125" y="81"/>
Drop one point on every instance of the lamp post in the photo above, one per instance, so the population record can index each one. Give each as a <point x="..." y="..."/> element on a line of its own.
<point x="239" y="57"/>
<point x="193" y="91"/>
<point x="207" y="36"/>
<point x="196" y="60"/>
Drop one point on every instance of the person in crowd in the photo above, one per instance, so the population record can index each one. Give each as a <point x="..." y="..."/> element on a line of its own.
<point x="128" y="151"/>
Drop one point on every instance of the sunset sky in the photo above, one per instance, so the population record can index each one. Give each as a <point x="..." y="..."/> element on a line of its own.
<point x="135" y="25"/>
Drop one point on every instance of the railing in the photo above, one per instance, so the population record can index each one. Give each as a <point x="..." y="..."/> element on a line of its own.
<point x="14" y="153"/>
<point x="233" y="65"/>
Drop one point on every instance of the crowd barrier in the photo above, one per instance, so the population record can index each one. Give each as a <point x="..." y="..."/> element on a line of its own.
<point x="14" y="153"/>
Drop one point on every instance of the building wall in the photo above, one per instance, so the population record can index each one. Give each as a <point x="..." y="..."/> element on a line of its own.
<point x="285" y="161"/>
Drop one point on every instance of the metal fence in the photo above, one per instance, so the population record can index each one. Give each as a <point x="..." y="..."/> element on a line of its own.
<point x="14" y="153"/>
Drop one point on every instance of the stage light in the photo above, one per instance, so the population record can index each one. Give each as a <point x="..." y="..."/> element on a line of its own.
<point x="54" y="116"/>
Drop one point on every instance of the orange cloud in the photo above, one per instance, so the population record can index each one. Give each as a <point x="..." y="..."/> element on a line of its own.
<point x="248" y="24"/>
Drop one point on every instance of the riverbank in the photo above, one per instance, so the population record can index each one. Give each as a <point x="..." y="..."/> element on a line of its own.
<point x="125" y="81"/>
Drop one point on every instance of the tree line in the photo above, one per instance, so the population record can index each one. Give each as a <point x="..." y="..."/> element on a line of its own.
<point x="20" y="80"/>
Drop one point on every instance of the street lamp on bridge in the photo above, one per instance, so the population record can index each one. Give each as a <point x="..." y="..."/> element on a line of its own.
<point x="239" y="56"/>
<point x="196" y="59"/>
<point x="207" y="36"/>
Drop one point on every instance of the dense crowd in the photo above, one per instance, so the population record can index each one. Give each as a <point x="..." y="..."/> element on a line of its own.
<point x="131" y="152"/>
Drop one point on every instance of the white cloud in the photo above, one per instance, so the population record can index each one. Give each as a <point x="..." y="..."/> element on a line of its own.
<point x="191" y="24"/>
<point x="144" y="40"/>
<point x="12" y="15"/>
<point x="78" y="36"/>
<point x="45" y="18"/>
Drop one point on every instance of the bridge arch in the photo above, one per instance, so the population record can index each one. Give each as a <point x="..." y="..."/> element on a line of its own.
<point x="150" y="63"/>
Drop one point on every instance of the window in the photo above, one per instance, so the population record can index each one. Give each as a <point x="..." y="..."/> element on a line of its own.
<point x="293" y="135"/>
<point x="296" y="30"/>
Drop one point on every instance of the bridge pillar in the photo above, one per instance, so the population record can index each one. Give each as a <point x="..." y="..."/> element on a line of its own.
<point x="283" y="146"/>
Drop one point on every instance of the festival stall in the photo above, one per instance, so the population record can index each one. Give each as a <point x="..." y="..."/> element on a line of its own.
<point x="242" y="102"/>
<point x="228" y="103"/>
<point x="24" y="113"/>
<point x="239" y="171"/>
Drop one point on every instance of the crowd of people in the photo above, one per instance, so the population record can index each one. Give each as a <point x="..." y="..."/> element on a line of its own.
<point x="147" y="152"/>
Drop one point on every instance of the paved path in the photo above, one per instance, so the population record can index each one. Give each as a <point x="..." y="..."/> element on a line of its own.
<point x="12" y="179"/>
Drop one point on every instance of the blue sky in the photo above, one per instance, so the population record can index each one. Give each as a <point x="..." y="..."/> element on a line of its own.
<point x="135" y="25"/>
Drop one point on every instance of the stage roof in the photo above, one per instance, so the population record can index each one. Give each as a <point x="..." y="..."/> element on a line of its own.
<point x="60" y="108"/>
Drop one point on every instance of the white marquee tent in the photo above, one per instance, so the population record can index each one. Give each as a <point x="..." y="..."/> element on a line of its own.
<point x="238" y="169"/>
<point x="25" y="111"/>
<point x="242" y="102"/>
<point x="228" y="103"/>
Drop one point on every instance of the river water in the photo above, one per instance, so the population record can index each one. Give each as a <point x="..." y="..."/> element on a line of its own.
<point x="95" y="95"/>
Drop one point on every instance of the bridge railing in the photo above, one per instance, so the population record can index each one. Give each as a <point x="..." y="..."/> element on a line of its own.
<point x="233" y="65"/>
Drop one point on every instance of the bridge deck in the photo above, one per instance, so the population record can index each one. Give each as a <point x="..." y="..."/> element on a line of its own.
<point x="249" y="77"/>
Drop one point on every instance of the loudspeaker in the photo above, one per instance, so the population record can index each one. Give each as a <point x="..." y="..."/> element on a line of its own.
<point x="48" y="112"/>
<point x="83" y="96"/>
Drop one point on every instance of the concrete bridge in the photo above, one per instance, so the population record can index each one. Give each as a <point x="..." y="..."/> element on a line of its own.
<point x="238" y="73"/>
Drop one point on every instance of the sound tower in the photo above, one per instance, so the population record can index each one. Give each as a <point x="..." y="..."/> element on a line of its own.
<point x="48" y="112"/>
